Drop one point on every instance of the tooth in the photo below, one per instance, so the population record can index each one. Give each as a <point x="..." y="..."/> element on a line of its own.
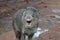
<point x="28" y="19"/>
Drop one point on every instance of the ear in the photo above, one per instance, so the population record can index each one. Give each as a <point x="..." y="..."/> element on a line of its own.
<point x="23" y="16"/>
<point x="24" y="13"/>
<point x="38" y="14"/>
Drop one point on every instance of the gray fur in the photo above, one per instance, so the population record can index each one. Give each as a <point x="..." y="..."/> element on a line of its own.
<point x="21" y="27"/>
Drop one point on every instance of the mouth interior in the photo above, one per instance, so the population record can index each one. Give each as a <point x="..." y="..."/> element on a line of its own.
<point x="28" y="21"/>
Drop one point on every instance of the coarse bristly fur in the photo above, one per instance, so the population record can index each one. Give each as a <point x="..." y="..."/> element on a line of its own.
<point x="25" y="22"/>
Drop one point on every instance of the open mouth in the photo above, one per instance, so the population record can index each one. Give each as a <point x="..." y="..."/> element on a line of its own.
<point x="29" y="22"/>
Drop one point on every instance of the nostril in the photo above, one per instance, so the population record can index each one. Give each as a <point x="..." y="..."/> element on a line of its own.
<point x="28" y="21"/>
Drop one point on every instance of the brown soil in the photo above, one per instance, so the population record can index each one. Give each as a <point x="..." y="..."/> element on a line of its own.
<point x="7" y="9"/>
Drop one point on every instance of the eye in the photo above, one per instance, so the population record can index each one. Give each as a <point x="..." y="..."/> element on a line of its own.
<point x="32" y="15"/>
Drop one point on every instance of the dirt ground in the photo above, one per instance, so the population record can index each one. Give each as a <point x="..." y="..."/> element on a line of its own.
<point x="49" y="18"/>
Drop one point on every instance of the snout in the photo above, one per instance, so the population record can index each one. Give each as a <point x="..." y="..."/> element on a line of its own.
<point x="28" y="21"/>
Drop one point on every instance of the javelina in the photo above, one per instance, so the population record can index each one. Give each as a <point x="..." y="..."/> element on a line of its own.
<point x="25" y="23"/>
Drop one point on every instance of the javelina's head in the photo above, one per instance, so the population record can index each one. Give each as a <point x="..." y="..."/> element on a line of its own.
<point x="30" y="17"/>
